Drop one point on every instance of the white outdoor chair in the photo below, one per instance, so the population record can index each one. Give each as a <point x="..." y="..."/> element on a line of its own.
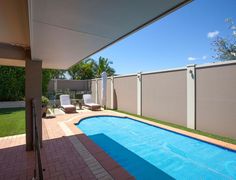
<point x="66" y="104"/>
<point x="88" y="102"/>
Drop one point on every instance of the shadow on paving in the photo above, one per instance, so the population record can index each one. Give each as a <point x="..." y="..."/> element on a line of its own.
<point x="59" y="159"/>
<point x="134" y="164"/>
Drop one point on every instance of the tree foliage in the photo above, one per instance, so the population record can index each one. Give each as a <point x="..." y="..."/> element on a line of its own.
<point x="12" y="79"/>
<point x="47" y="75"/>
<point x="89" y="69"/>
<point x="82" y="70"/>
<point x="225" y="48"/>
<point x="12" y="83"/>
<point x="58" y="74"/>
<point x="103" y="65"/>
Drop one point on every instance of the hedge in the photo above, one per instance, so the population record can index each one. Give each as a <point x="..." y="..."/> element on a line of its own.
<point x="12" y="82"/>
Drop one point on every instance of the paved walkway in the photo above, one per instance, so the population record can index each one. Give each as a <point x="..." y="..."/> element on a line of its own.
<point x="65" y="154"/>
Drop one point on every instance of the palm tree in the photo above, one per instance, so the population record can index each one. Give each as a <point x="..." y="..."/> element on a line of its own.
<point x="103" y="65"/>
<point x="58" y="74"/>
<point x="83" y="70"/>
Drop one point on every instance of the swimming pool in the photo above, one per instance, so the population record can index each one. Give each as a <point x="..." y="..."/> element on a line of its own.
<point x="149" y="152"/>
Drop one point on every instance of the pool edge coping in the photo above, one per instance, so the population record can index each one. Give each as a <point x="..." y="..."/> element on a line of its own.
<point x="216" y="142"/>
<point x="95" y="150"/>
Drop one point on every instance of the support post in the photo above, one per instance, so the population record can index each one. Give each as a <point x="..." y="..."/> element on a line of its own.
<point x="96" y="90"/>
<point x="191" y="97"/>
<point x="139" y="94"/>
<point x="33" y="90"/>
<point x="112" y="92"/>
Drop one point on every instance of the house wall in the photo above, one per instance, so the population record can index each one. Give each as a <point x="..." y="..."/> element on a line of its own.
<point x="164" y="96"/>
<point x="78" y="85"/>
<point x="99" y="90"/>
<point x="51" y="85"/>
<point x="125" y="93"/>
<point x="108" y="100"/>
<point x="212" y="101"/>
<point x="93" y="90"/>
<point x="216" y="99"/>
<point x="12" y="104"/>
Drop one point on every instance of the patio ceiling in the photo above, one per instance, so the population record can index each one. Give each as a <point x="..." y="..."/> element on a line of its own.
<point x="62" y="33"/>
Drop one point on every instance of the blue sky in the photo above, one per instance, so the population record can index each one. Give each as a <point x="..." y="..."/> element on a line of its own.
<point x="181" y="38"/>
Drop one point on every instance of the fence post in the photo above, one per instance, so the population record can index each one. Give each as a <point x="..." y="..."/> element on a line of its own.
<point x="112" y="92"/>
<point x="139" y="94"/>
<point x="55" y="85"/>
<point x="96" y="90"/>
<point x="191" y="96"/>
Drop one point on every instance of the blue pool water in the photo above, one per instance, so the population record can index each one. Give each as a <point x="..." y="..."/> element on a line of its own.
<point x="148" y="152"/>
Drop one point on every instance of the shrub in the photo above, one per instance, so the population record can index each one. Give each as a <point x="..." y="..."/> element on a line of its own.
<point x="44" y="100"/>
<point x="12" y="83"/>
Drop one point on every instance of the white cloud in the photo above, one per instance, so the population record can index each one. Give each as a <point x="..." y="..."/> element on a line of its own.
<point x="233" y="27"/>
<point x="192" y="58"/>
<point x="204" y="57"/>
<point x="212" y="34"/>
<point x="196" y="58"/>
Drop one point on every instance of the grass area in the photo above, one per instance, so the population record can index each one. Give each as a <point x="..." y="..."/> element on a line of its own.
<point x="214" y="136"/>
<point x="12" y="121"/>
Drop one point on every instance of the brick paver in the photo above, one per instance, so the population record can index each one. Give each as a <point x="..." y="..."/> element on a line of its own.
<point x="63" y="155"/>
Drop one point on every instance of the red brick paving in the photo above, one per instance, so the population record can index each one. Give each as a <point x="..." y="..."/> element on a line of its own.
<point x="59" y="158"/>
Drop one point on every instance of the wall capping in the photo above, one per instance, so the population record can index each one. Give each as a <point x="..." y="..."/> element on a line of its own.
<point x="125" y="75"/>
<point x="191" y="65"/>
<point x="165" y="71"/>
<point x="224" y="63"/>
<point x="12" y="104"/>
<point x="176" y="69"/>
<point x="72" y="80"/>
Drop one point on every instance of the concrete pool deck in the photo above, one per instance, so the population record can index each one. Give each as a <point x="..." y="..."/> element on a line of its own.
<point x="67" y="153"/>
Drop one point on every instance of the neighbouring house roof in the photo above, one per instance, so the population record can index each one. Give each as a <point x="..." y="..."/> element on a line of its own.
<point x="62" y="33"/>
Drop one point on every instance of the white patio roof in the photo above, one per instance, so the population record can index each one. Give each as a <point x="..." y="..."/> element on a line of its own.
<point x="62" y="33"/>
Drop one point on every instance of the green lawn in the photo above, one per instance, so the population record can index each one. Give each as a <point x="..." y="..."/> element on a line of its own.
<point x="12" y="121"/>
<point x="214" y="136"/>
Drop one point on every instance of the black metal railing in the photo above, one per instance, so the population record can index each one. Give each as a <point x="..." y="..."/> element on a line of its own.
<point x="38" y="170"/>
